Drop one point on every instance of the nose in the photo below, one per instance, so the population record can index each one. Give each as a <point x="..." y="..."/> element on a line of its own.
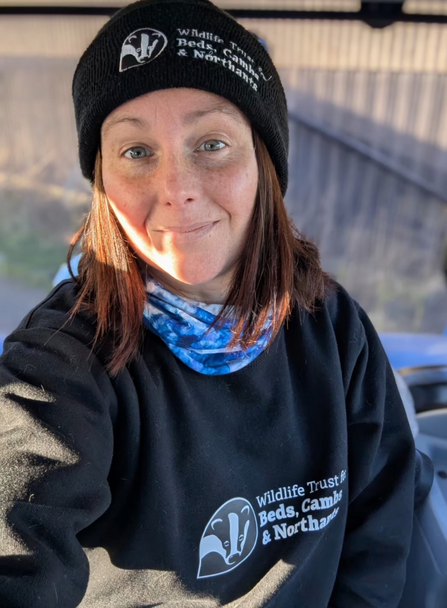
<point x="234" y="555"/>
<point x="177" y="181"/>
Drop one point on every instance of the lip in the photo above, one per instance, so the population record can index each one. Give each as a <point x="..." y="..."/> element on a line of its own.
<point x="188" y="229"/>
<point x="188" y="234"/>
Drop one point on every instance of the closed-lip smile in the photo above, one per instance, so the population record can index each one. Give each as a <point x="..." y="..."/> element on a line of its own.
<point x="186" y="229"/>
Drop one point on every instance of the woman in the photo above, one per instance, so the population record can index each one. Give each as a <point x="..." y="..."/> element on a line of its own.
<point x="202" y="417"/>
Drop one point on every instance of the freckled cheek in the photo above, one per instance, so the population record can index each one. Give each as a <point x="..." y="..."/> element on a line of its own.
<point x="237" y="194"/>
<point x="128" y="203"/>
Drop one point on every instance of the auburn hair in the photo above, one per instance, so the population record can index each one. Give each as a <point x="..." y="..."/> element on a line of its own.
<point x="278" y="270"/>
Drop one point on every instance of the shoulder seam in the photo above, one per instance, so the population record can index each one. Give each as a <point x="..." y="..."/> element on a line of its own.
<point x="50" y="295"/>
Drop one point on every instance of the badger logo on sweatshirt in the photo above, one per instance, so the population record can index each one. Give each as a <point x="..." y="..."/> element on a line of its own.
<point x="140" y="47"/>
<point x="228" y="539"/>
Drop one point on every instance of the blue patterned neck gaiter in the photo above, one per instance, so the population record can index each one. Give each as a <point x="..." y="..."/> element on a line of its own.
<point x="184" y="326"/>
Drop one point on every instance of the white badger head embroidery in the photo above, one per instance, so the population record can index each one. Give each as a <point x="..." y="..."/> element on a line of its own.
<point x="140" y="47"/>
<point x="228" y="539"/>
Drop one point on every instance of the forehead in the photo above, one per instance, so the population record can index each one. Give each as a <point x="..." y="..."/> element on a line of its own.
<point x="185" y="105"/>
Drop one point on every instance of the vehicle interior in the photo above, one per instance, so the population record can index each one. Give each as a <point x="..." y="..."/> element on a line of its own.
<point x="366" y="83"/>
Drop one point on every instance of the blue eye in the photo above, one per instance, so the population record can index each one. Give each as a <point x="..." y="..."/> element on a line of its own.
<point x="212" y="145"/>
<point x="136" y="152"/>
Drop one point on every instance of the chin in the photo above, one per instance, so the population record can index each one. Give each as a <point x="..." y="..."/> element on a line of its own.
<point x="191" y="269"/>
<point x="194" y="276"/>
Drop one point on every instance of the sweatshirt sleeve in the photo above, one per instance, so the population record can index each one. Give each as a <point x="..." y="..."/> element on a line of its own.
<point x="381" y="457"/>
<point x="55" y="452"/>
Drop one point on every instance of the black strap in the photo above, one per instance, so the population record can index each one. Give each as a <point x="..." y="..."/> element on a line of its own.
<point x="423" y="478"/>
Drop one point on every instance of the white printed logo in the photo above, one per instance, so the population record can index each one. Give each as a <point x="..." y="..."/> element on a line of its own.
<point x="228" y="539"/>
<point x="208" y="46"/>
<point x="140" y="47"/>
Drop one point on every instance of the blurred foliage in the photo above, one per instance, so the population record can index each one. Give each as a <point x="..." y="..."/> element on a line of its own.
<point x="34" y="235"/>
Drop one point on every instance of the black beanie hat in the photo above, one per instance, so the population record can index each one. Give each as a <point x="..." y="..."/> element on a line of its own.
<point x="161" y="44"/>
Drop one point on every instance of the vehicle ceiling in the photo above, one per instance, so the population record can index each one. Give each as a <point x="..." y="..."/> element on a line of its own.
<point x="411" y="6"/>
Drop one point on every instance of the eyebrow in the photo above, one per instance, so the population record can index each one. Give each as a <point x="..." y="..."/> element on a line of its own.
<point x="220" y="108"/>
<point x="188" y="119"/>
<point x="138" y="122"/>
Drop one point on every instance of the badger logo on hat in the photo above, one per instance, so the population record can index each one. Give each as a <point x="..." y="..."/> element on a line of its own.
<point x="228" y="539"/>
<point x="140" y="47"/>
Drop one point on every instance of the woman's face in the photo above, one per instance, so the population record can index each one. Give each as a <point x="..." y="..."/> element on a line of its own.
<point x="180" y="172"/>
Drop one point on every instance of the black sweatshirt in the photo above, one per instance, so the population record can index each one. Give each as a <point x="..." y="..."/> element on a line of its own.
<point x="286" y="484"/>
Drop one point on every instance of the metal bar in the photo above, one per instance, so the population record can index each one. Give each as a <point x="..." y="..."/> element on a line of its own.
<point x="88" y="11"/>
<point x="378" y="21"/>
<point x="336" y="16"/>
<point x="375" y="156"/>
